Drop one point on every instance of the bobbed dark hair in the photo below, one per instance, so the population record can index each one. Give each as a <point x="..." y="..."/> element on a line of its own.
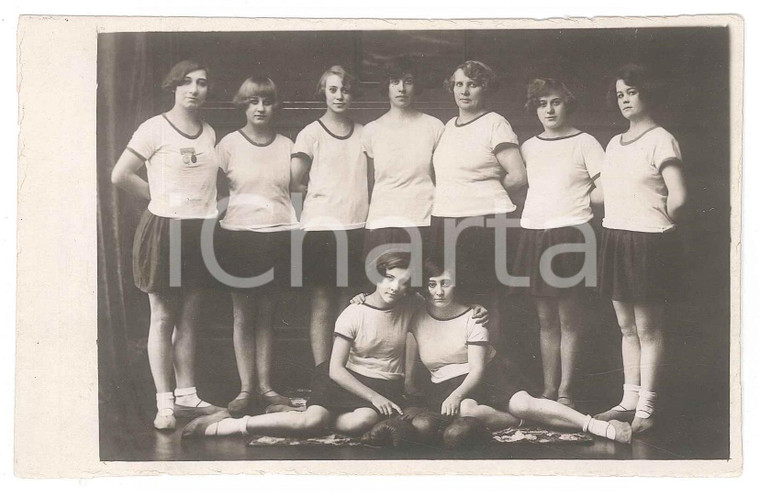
<point x="397" y="68"/>
<point x="483" y="75"/>
<point x="652" y="90"/>
<point x="538" y="88"/>
<point x="391" y="260"/>
<point x="176" y="76"/>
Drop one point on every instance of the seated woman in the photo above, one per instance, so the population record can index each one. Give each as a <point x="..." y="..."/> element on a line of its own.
<point x="363" y="380"/>
<point x="468" y="378"/>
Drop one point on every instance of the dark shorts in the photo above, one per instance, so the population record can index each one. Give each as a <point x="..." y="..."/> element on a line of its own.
<point x="502" y="380"/>
<point x="245" y="254"/>
<point x="533" y="244"/>
<point x="477" y="251"/>
<point x="151" y="254"/>
<point x="637" y="266"/>
<point x="386" y="236"/>
<point x="328" y="394"/>
<point x="319" y="261"/>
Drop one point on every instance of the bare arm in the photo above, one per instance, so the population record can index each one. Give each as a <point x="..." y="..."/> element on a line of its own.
<point x="409" y="365"/>
<point x="672" y="174"/>
<point x="124" y="175"/>
<point x="511" y="160"/>
<point x="340" y="375"/>
<point x="476" y="357"/>
<point x="597" y="194"/>
<point x="370" y="176"/>
<point x="299" y="168"/>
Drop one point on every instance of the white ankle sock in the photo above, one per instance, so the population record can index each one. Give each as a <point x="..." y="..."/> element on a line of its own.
<point x="228" y="427"/>
<point x="630" y="397"/>
<point x="599" y="428"/>
<point x="645" y="405"/>
<point x="165" y="403"/>
<point x="188" y="397"/>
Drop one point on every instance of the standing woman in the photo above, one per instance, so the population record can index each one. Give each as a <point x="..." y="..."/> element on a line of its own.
<point x="255" y="233"/>
<point x="328" y="163"/>
<point x="563" y="164"/>
<point x="399" y="147"/>
<point x="177" y="147"/>
<point x="477" y="164"/>
<point x="644" y="197"/>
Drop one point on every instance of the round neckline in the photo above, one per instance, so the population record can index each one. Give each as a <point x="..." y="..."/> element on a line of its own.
<point x="448" y="318"/>
<point x="457" y="124"/>
<point x="623" y="142"/>
<point x="336" y="136"/>
<point x="188" y="136"/>
<point x="558" y="138"/>
<point x="247" y="138"/>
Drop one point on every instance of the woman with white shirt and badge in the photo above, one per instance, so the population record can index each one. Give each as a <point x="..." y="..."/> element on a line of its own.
<point x="644" y="198"/>
<point x="477" y="165"/>
<point x="255" y="235"/>
<point x="563" y="165"/>
<point x="177" y="148"/>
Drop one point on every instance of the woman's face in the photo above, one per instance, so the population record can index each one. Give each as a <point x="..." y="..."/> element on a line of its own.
<point x="468" y="95"/>
<point x="260" y="111"/>
<point x="337" y="97"/>
<point x="401" y="91"/>
<point x="629" y="101"/>
<point x="192" y="93"/>
<point x="440" y="290"/>
<point x="552" y="111"/>
<point x="394" y="285"/>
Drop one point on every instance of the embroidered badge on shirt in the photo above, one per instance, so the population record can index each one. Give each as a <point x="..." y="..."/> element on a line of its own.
<point x="188" y="155"/>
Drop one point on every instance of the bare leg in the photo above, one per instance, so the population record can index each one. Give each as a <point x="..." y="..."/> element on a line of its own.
<point x="244" y="343"/>
<point x="494" y="419"/>
<point x="549" y="323"/>
<point x="649" y="322"/>
<point x="357" y="422"/>
<point x="555" y="414"/>
<point x="265" y="349"/>
<point x="185" y="338"/>
<point x="321" y="324"/>
<point x="631" y="360"/>
<point x="160" y="355"/>
<point x="313" y="421"/>
<point x="571" y="324"/>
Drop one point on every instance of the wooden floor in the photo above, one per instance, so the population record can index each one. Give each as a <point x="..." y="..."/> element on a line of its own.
<point x="694" y="419"/>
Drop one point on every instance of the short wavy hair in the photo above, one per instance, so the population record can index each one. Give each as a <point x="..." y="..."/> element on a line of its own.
<point x="652" y="90"/>
<point x="258" y="85"/>
<point x="483" y="75"/>
<point x="176" y="76"/>
<point x="397" y="68"/>
<point x="391" y="260"/>
<point x="350" y="83"/>
<point x="539" y="88"/>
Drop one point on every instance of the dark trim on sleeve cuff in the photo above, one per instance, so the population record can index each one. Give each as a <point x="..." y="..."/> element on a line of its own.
<point x="136" y="154"/>
<point x="339" y="335"/>
<point x="302" y="156"/>
<point x="478" y="343"/>
<point x="504" y="145"/>
<point x="596" y="177"/>
<point x="669" y="162"/>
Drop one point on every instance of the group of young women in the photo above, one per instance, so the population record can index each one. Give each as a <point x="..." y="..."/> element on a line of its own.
<point x="404" y="179"/>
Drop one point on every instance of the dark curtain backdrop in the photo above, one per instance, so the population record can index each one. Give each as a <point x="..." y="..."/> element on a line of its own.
<point x="694" y="60"/>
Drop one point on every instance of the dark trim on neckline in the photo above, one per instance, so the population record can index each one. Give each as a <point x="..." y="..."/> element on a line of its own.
<point x="188" y="136"/>
<point x="624" y="143"/>
<point x="558" y="138"/>
<point x="342" y="138"/>
<point x="449" y="318"/>
<point x="378" y="308"/>
<point x="457" y="124"/>
<point x="256" y="143"/>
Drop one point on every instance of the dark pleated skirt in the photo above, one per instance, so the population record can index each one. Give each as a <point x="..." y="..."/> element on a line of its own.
<point x="319" y="262"/>
<point x="533" y="244"/>
<point x="637" y="266"/>
<point x="328" y="394"/>
<point x="151" y="254"/>
<point x="502" y="380"/>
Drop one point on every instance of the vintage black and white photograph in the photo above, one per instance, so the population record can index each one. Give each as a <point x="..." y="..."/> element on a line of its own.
<point x="417" y="241"/>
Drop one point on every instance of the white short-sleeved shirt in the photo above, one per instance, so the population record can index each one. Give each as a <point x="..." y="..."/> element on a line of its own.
<point x="336" y="197"/>
<point x="468" y="175"/>
<point x="181" y="168"/>
<point x="635" y="194"/>
<point x="378" y="337"/>
<point x="259" y="179"/>
<point x="442" y="343"/>
<point x="403" y="192"/>
<point x="561" y="174"/>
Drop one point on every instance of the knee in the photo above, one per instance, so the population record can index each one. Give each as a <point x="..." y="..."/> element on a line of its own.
<point x="548" y="322"/>
<point x="520" y="404"/>
<point x="358" y="422"/>
<point x="161" y="321"/>
<point x="468" y="408"/>
<point x="629" y="330"/>
<point x="311" y="421"/>
<point x="647" y="333"/>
